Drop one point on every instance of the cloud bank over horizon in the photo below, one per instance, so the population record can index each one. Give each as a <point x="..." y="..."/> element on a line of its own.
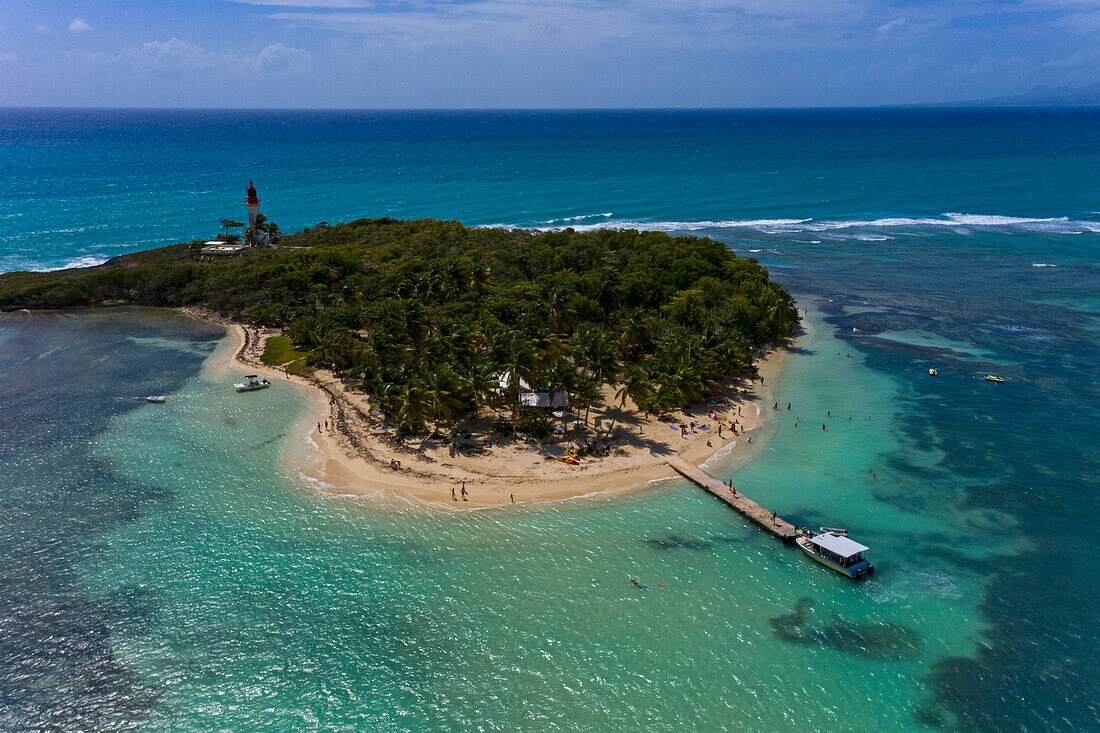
<point x="551" y="53"/>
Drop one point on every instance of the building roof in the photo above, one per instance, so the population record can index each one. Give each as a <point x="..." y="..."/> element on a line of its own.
<point x="839" y="544"/>
<point x="221" y="248"/>
<point x="505" y="381"/>
<point x="544" y="399"/>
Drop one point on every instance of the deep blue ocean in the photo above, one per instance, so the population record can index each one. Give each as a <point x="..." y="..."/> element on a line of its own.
<point x="154" y="578"/>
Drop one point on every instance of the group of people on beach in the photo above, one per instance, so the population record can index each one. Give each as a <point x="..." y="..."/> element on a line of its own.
<point x="465" y="494"/>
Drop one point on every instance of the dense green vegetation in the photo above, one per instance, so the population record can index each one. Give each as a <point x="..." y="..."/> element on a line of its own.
<point x="427" y="315"/>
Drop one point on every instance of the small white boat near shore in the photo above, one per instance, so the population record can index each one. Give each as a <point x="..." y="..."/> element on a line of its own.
<point x="251" y="383"/>
<point x="993" y="378"/>
<point x="833" y="549"/>
<point x="156" y="399"/>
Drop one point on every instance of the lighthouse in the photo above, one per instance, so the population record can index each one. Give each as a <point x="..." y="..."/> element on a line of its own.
<point x="253" y="202"/>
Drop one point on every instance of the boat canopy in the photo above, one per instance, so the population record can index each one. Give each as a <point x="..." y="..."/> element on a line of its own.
<point x="839" y="544"/>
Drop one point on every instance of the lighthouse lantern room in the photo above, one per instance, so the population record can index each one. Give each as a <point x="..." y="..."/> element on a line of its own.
<point x="253" y="202"/>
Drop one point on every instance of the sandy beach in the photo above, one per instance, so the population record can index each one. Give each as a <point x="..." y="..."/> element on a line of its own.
<point x="350" y="450"/>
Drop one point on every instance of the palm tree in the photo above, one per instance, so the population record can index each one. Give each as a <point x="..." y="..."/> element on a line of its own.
<point x="271" y="229"/>
<point x="638" y="387"/>
<point x="680" y="385"/>
<point x="460" y="340"/>
<point x="586" y="393"/>
<point x="780" y="316"/>
<point x="483" y="381"/>
<point x="635" y="333"/>
<point x="481" y="277"/>
<point x="519" y="362"/>
<point x="413" y="407"/>
<point x="600" y="354"/>
<point x="261" y="226"/>
<point x="547" y="349"/>
<point x="607" y="290"/>
<point x="441" y="390"/>
<point x="561" y="316"/>
<point x="561" y="376"/>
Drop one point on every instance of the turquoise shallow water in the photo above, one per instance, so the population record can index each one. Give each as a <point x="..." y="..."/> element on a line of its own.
<point x="165" y="572"/>
<point x="274" y="607"/>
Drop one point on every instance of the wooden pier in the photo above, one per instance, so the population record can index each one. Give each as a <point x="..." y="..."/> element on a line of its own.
<point x="753" y="511"/>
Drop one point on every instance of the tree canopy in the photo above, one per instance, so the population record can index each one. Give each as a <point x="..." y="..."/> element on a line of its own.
<point x="427" y="315"/>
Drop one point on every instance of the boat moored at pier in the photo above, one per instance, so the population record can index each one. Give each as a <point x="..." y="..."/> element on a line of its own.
<point x="833" y="549"/>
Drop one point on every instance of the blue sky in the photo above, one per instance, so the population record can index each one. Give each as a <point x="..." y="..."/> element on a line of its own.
<point x="531" y="53"/>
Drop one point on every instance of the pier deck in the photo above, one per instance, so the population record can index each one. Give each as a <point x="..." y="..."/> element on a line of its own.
<point x="753" y="511"/>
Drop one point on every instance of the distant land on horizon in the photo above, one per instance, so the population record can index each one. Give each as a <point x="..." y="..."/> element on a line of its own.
<point x="1042" y="96"/>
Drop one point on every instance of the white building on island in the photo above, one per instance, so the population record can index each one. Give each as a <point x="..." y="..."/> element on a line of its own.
<point x="534" y="397"/>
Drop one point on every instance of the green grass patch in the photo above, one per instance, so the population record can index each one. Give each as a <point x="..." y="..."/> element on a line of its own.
<point x="279" y="351"/>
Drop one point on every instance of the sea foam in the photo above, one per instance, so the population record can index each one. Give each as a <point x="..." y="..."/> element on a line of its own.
<point x="959" y="222"/>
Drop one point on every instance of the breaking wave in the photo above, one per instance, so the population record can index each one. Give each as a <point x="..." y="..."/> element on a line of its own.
<point x="579" y="217"/>
<point x="82" y="261"/>
<point x="952" y="221"/>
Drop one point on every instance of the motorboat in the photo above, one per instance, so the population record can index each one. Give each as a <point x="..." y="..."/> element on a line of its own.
<point x="993" y="378"/>
<point x="932" y="372"/>
<point x="156" y="399"/>
<point x="834" y="549"/>
<point x="250" y="383"/>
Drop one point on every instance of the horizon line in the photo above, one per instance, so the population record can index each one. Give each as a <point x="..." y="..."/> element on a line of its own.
<point x="913" y="105"/>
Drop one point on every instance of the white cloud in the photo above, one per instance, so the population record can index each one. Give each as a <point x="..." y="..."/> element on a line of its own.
<point x="328" y="4"/>
<point x="666" y="25"/>
<point x="176" y="55"/>
<point x="280" y="59"/>
<point x="79" y="25"/>
<point x="885" y="28"/>
<point x="171" y="55"/>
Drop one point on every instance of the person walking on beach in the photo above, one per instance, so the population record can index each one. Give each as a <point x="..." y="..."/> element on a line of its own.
<point x="512" y="497"/>
<point x="453" y="497"/>
<point x="464" y="494"/>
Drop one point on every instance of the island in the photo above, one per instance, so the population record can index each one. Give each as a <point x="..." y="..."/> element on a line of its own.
<point x="478" y="366"/>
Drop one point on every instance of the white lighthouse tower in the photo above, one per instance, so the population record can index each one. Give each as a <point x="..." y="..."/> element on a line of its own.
<point x="253" y="202"/>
